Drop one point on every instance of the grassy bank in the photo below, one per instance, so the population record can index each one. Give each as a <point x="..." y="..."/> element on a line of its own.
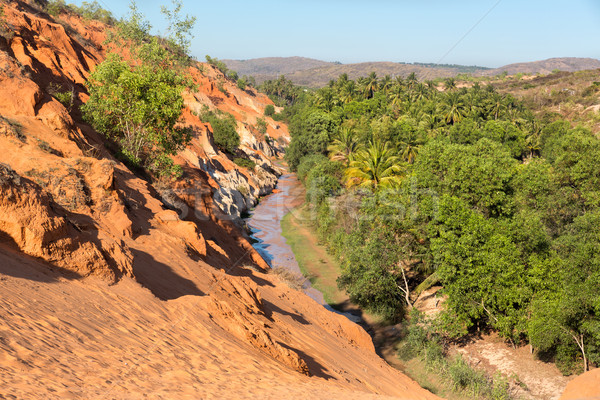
<point x="315" y="263"/>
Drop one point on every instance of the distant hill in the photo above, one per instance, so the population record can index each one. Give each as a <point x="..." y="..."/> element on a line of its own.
<point x="315" y="73"/>
<point x="567" y="64"/>
<point x="272" y="67"/>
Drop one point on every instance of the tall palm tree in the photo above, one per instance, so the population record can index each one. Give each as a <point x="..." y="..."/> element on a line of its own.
<point x="399" y="81"/>
<point x="431" y="85"/>
<point x="453" y="108"/>
<point x="411" y="80"/>
<point x="495" y="105"/>
<point x="343" y="146"/>
<point x="449" y="84"/>
<point x="386" y="83"/>
<point x="347" y="92"/>
<point x="396" y="96"/>
<point x="370" y="85"/>
<point x="410" y="147"/>
<point x="325" y="99"/>
<point x="421" y="92"/>
<point x="374" y="167"/>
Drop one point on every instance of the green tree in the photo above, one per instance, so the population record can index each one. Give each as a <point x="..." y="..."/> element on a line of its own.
<point x="269" y="110"/>
<point x="224" y="130"/>
<point x="374" y="167"/>
<point x="311" y="132"/>
<point x="139" y="108"/>
<point x="343" y="146"/>
<point x="453" y="108"/>
<point x="370" y="85"/>
<point x="179" y="28"/>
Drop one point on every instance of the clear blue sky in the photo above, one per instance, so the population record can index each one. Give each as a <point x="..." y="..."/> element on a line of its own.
<point x="388" y="30"/>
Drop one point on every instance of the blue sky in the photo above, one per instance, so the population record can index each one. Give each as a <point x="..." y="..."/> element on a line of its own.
<point x="387" y="30"/>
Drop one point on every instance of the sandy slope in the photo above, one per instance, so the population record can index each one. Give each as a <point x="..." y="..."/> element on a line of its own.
<point x="62" y="337"/>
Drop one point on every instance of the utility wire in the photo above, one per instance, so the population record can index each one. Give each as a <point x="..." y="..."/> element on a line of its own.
<point x="469" y="31"/>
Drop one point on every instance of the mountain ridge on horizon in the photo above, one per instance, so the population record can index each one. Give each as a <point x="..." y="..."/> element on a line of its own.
<point x="317" y="73"/>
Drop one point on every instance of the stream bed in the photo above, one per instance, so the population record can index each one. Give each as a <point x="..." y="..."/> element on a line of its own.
<point x="265" y="225"/>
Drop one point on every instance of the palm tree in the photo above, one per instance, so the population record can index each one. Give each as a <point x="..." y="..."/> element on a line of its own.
<point x="343" y="146"/>
<point x="421" y="92"/>
<point x="370" y="85"/>
<point x="325" y="99"/>
<point x="411" y="80"/>
<point x="410" y="147"/>
<point x="495" y="105"/>
<point x="399" y="82"/>
<point x="396" y="96"/>
<point x="374" y="167"/>
<point x="386" y="83"/>
<point x="347" y="92"/>
<point x="454" y="108"/>
<point x="449" y="84"/>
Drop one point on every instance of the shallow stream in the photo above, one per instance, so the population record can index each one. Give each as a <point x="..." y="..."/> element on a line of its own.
<point x="265" y="224"/>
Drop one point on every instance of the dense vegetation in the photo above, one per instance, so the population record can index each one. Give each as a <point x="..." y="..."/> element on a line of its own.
<point x="412" y="187"/>
<point x="138" y="102"/>
<point x="224" y="130"/>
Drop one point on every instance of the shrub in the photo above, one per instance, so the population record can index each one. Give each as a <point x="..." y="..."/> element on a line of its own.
<point x="66" y="98"/>
<point x="307" y="163"/>
<point x="244" y="162"/>
<point x="294" y="281"/>
<point x="92" y="11"/>
<point x="138" y="107"/>
<point x="233" y="75"/>
<point x="218" y="64"/>
<point x="269" y="110"/>
<point x="11" y="127"/>
<point x="241" y="84"/>
<point x="224" y="130"/>
<point x="243" y="190"/>
<point x="222" y="88"/>
<point x="261" y="125"/>
<point x="56" y="7"/>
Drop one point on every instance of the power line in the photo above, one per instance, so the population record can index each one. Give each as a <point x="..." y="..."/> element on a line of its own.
<point x="469" y="31"/>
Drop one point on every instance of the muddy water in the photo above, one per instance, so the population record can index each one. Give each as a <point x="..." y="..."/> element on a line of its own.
<point x="265" y="224"/>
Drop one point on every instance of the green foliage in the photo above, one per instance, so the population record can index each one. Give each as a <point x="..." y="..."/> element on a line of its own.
<point x="218" y="64"/>
<point x="311" y="132"/>
<point x="65" y="97"/>
<point x="282" y="91"/>
<point x="55" y="7"/>
<point x="244" y="162"/>
<point x="261" y="126"/>
<point x="224" y="128"/>
<point x="322" y="180"/>
<point x="134" y="28"/>
<point x="87" y="10"/>
<point x="422" y="341"/>
<point x="139" y="108"/>
<point x="307" y="163"/>
<point x="494" y="204"/>
<point x="179" y="28"/>
<point x="269" y="110"/>
<point x="241" y="84"/>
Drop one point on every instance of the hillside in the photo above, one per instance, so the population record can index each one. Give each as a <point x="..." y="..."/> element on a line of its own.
<point x="566" y="64"/>
<point x="115" y="285"/>
<point x="574" y="96"/>
<point x="273" y="67"/>
<point x="315" y="73"/>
